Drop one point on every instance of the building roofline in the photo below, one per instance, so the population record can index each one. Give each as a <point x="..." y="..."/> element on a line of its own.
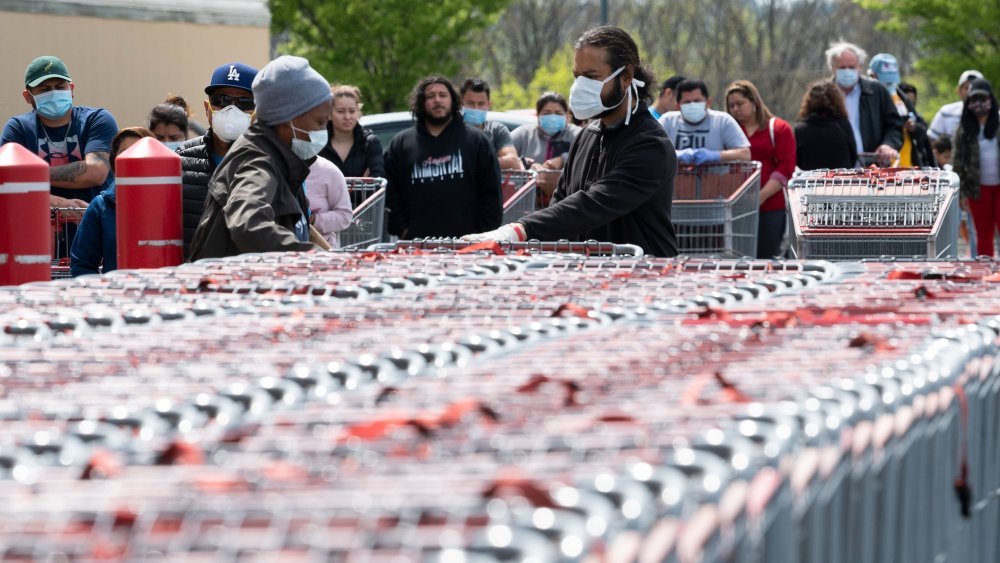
<point x="251" y="13"/>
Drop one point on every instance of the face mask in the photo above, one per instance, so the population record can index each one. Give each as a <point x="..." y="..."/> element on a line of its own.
<point x="308" y="149"/>
<point x="979" y="108"/>
<point x="173" y="145"/>
<point x="475" y="117"/>
<point x="229" y="123"/>
<point x="54" y="103"/>
<point x="693" y="112"/>
<point x="552" y="123"/>
<point x="585" y="96"/>
<point x="846" y="77"/>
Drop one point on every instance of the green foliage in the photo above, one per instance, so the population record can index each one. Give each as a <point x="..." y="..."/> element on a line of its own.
<point x="555" y="75"/>
<point x="954" y="35"/>
<point x="382" y="46"/>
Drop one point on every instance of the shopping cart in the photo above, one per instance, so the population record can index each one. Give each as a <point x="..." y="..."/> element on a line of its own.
<point x="368" y="197"/>
<point x="64" y="222"/>
<point x="513" y="180"/>
<point x="444" y="246"/>
<point x="520" y="192"/>
<point x="869" y="213"/>
<point x="715" y="209"/>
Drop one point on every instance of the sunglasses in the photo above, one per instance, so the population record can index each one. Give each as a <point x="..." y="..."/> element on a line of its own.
<point x="243" y="103"/>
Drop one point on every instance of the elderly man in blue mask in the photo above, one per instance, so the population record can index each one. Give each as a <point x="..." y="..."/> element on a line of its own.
<point x="877" y="125"/>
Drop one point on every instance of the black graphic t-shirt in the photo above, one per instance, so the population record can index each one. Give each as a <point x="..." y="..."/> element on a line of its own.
<point x="444" y="186"/>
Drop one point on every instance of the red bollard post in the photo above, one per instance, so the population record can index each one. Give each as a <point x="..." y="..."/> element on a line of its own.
<point x="25" y="233"/>
<point x="148" y="197"/>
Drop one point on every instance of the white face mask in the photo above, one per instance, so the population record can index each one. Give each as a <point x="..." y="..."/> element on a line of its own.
<point x="585" y="96"/>
<point x="308" y="149"/>
<point x="229" y="123"/>
<point x="693" y="112"/>
<point x="173" y="145"/>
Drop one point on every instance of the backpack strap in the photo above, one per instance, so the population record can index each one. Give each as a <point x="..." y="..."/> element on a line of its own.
<point x="770" y="126"/>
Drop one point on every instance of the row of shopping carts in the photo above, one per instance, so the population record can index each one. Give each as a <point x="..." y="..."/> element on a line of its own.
<point x="838" y="215"/>
<point x="443" y="401"/>
<point x="367" y="226"/>
<point x="835" y="214"/>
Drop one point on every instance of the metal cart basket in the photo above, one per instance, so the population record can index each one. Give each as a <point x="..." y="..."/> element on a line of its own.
<point x="519" y="191"/>
<point x="870" y="213"/>
<point x="64" y="222"/>
<point x="715" y="209"/>
<point x="369" y="213"/>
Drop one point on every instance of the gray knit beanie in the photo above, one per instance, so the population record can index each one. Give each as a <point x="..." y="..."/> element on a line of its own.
<point x="286" y="88"/>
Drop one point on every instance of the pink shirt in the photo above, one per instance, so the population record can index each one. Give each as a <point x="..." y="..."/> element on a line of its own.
<point x="326" y="189"/>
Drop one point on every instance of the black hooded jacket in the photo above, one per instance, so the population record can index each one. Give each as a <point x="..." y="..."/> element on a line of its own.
<point x="617" y="186"/>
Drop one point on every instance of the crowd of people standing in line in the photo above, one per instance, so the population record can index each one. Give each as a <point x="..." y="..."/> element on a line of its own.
<point x="270" y="171"/>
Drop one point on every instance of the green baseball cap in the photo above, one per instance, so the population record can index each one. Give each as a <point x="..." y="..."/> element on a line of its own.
<point x="44" y="68"/>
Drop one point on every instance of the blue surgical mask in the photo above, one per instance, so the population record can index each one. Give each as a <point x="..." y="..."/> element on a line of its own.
<point x="54" y="103"/>
<point x="846" y="77"/>
<point x="308" y="149"/>
<point x="552" y="123"/>
<point x="694" y="112"/>
<point x="173" y="145"/>
<point x="474" y="116"/>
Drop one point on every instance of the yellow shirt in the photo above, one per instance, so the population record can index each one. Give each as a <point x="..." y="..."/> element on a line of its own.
<point x="906" y="152"/>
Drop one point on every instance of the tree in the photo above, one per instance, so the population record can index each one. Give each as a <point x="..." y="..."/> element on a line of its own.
<point x="953" y="35"/>
<point x="555" y="75"/>
<point x="529" y="33"/>
<point x="383" y="46"/>
<point x="776" y="44"/>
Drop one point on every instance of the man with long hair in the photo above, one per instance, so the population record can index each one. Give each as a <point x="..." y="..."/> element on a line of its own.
<point x="443" y="176"/>
<point x="618" y="182"/>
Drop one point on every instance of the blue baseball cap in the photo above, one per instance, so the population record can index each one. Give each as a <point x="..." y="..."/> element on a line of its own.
<point x="232" y="75"/>
<point x="886" y="68"/>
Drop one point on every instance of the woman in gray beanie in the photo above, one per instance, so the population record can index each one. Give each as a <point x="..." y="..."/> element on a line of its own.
<point x="256" y="198"/>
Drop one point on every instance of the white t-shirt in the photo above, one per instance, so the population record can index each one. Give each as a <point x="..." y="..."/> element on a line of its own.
<point x="989" y="160"/>
<point x="717" y="132"/>
<point x="945" y="121"/>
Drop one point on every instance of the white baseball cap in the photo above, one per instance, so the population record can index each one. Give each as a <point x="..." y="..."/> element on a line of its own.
<point x="969" y="75"/>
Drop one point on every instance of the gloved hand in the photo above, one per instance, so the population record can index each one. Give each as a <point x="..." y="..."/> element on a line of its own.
<point x="511" y="232"/>
<point x="702" y="156"/>
<point x="685" y="156"/>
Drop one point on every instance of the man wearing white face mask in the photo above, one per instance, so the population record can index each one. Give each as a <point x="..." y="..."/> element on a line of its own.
<point x="476" y="103"/>
<point x="618" y="182"/>
<point x="256" y="200"/>
<point x="701" y="134"/>
<point x="877" y="125"/>
<point x="74" y="140"/>
<point x="229" y="109"/>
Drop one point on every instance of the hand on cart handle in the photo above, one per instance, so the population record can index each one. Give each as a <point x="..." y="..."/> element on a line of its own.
<point x="889" y="153"/>
<point x="512" y="232"/>
<point x="701" y="156"/>
<point x="698" y="156"/>
<point x="686" y="156"/>
<point x="63" y="203"/>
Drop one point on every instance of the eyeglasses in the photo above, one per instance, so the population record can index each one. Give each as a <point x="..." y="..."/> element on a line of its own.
<point x="243" y="103"/>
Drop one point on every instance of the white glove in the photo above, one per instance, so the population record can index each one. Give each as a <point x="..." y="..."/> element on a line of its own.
<point x="511" y="232"/>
